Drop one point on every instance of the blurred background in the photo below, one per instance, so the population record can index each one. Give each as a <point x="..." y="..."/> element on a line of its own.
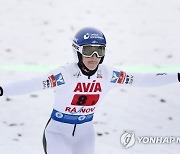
<point x="142" y="36"/>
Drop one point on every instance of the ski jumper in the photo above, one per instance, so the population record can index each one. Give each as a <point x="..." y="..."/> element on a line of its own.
<point x="77" y="96"/>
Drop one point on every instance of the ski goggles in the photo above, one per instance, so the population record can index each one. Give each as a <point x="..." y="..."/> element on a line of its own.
<point x="89" y="50"/>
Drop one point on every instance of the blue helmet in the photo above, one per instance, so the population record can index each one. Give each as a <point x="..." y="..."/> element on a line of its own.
<point x="88" y="36"/>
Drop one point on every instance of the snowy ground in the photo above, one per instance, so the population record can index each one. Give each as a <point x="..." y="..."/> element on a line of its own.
<point x="139" y="33"/>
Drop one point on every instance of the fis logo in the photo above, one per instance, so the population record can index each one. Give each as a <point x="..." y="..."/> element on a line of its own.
<point x="99" y="74"/>
<point x="56" y="80"/>
<point x="122" y="78"/>
<point x="118" y="77"/>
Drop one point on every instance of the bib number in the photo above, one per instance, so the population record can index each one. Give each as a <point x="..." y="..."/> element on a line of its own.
<point x="85" y="100"/>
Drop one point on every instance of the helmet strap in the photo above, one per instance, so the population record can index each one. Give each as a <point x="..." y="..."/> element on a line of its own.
<point x="101" y="61"/>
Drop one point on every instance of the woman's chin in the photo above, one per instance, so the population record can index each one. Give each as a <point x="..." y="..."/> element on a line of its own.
<point x="91" y="67"/>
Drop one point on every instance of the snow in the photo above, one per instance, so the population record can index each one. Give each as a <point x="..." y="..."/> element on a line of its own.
<point x="140" y="34"/>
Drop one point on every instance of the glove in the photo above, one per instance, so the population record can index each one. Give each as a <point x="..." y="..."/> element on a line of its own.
<point x="1" y="91"/>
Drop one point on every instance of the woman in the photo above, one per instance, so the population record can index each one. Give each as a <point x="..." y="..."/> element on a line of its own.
<point x="79" y="87"/>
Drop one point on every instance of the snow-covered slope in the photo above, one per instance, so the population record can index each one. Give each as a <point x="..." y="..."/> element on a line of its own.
<point x="139" y="33"/>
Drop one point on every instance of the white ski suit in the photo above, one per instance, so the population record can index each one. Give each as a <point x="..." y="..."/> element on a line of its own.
<point x="70" y="128"/>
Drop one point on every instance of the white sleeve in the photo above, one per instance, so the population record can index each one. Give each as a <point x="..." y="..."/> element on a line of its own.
<point x="22" y="87"/>
<point x="154" y="79"/>
<point x="118" y="77"/>
<point x="53" y="79"/>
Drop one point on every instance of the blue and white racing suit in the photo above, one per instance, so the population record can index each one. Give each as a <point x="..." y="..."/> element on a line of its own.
<point x="77" y="96"/>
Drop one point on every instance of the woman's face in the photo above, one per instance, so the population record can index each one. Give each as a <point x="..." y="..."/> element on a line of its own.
<point x="91" y="62"/>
